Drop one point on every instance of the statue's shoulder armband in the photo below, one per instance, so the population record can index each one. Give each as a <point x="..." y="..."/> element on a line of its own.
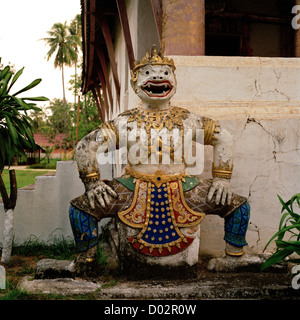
<point x="210" y="129"/>
<point x="109" y="133"/>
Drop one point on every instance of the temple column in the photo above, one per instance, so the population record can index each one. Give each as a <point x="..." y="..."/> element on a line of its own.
<point x="183" y="27"/>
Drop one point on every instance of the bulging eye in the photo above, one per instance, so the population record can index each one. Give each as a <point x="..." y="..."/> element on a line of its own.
<point x="147" y="72"/>
<point x="166" y="73"/>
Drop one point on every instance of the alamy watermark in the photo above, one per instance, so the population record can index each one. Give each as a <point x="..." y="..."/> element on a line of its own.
<point x="296" y="20"/>
<point x="296" y="278"/>
<point x="2" y="278"/>
<point x="152" y="147"/>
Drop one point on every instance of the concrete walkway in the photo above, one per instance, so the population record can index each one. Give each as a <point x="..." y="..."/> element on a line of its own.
<point x="207" y="285"/>
<point x="25" y="168"/>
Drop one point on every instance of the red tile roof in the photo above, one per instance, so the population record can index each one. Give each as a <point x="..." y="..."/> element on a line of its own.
<point x="43" y="140"/>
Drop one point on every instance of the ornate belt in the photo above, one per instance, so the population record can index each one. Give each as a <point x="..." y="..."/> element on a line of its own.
<point x="158" y="178"/>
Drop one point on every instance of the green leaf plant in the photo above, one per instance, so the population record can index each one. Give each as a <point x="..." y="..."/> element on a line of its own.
<point x="287" y="238"/>
<point x="16" y="135"/>
<point x="15" y="124"/>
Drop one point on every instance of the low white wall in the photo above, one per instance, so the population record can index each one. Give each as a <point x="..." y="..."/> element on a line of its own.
<point x="43" y="211"/>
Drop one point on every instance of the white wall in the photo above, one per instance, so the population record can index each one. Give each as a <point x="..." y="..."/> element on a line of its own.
<point x="43" y="211"/>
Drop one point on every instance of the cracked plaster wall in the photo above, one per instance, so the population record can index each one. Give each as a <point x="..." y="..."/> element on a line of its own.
<point x="267" y="163"/>
<point x="257" y="100"/>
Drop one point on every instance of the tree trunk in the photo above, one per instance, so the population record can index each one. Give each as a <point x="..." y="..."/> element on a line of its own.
<point x="77" y="121"/>
<point x="9" y="206"/>
<point x="75" y="85"/>
<point x="8" y="233"/>
<point x="63" y="84"/>
<point x="60" y="149"/>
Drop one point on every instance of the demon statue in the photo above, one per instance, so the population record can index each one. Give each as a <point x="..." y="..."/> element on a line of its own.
<point x="158" y="198"/>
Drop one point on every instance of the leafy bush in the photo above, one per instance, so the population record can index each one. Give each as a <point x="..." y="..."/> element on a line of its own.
<point x="288" y="235"/>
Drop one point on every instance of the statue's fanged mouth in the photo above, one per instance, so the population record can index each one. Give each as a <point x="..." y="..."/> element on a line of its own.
<point x="157" y="89"/>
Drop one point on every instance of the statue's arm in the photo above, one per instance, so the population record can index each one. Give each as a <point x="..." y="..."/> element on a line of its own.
<point x="86" y="153"/>
<point x="223" y="154"/>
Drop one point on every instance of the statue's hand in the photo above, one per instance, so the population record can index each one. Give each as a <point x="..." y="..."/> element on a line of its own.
<point x="221" y="188"/>
<point x="101" y="192"/>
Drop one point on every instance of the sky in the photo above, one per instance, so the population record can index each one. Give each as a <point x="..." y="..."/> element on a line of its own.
<point x="22" y="24"/>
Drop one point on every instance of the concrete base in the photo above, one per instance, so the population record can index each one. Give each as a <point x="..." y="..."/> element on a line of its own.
<point x="208" y="285"/>
<point x="60" y="286"/>
<point x="245" y="263"/>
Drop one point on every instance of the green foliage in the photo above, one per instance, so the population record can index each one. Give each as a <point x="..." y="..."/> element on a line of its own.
<point x="13" y="293"/>
<point x="57" y="248"/>
<point x="43" y="165"/>
<point x="63" y="42"/>
<point x="15" y="124"/>
<point x="48" y="151"/>
<point x="24" y="177"/>
<point x="88" y="113"/>
<point x="60" y="120"/>
<point x="288" y="235"/>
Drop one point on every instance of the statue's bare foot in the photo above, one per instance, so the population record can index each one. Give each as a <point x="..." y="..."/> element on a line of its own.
<point x="85" y="262"/>
<point x="233" y="251"/>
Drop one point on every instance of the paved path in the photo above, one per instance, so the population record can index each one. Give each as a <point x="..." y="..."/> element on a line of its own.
<point x="26" y="168"/>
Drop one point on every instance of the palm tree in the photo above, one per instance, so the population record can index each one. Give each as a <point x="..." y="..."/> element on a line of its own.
<point x="15" y="136"/>
<point x="61" y="43"/>
<point x="75" y="33"/>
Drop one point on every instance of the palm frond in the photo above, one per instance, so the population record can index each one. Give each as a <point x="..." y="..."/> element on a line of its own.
<point x="15" y="125"/>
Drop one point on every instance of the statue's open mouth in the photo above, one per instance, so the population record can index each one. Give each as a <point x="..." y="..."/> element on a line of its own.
<point x="157" y="89"/>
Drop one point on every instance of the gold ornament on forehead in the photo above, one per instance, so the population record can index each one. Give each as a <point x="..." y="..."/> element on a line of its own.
<point x="155" y="58"/>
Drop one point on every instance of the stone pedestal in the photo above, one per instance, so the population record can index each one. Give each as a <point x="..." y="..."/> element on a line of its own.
<point x="134" y="264"/>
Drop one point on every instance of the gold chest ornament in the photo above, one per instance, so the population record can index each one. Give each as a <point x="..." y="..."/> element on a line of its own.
<point x="159" y="125"/>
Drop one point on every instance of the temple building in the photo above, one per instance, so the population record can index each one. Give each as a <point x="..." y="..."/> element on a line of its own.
<point x="236" y="62"/>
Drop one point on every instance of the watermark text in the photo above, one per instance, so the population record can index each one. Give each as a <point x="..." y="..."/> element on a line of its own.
<point x="296" y="278"/>
<point x="140" y="146"/>
<point x="296" y="19"/>
<point x="2" y="278"/>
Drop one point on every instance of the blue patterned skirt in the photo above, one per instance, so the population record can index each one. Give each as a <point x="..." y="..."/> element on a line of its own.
<point x="85" y="229"/>
<point x="236" y="225"/>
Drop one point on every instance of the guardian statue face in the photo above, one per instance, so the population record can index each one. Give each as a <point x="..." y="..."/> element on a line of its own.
<point x="155" y="84"/>
<point x="153" y="79"/>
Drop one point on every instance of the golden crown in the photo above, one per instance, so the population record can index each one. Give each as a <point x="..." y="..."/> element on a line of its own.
<point x="154" y="58"/>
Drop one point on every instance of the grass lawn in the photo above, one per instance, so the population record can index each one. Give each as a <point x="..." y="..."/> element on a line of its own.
<point x="23" y="263"/>
<point x="44" y="165"/>
<point x="24" y="177"/>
